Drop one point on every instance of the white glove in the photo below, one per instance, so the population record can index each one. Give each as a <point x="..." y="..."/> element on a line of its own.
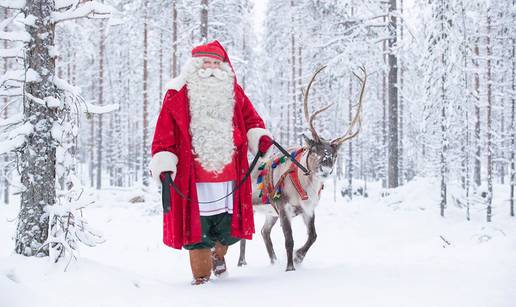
<point x="163" y="161"/>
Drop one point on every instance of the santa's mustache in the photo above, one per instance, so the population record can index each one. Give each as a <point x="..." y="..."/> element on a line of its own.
<point x="213" y="72"/>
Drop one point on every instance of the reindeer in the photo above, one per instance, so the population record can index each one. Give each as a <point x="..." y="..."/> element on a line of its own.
<point x="288" y="194"/>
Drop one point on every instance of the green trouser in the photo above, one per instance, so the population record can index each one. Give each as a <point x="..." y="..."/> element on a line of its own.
<point x="214" y="228"/>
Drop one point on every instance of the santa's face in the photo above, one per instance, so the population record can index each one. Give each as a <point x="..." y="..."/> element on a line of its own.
<point x="210" y="63"/>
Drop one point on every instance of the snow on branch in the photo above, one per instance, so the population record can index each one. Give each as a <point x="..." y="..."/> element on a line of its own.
<point x="90" y="108"/>
<point x="14" y="119"/>
<point x="12" y="4"/>
<point x="16" y="138"/>
<point x="11" y="92"/>
<point x="67" y="87"/>
<point x="20" y="76"/>
<point x="17" y="36"/>
<point x="11" y="53"/>
<point x="90" y="9"/>
<point x="60" y="4"/>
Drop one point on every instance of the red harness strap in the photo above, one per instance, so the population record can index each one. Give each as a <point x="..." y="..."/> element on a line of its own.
<point x="294" y="178"/>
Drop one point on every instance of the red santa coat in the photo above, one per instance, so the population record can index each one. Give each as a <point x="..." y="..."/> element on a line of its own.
<point x="181" y="225"/>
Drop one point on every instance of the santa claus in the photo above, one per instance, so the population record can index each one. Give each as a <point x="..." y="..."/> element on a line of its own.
<point x="203" y="132"/>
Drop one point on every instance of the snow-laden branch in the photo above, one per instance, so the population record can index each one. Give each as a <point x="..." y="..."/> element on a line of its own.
<point x="12" y="4"/>
<point x="12" y="120"/>
<point x="20" y="76"/>
<point x="11" y="92"/>
<point x="85" y="10"/>
<point x="90" y="108"/>
<point x="16" y="138"/>
<point x="11" y="53"/>
<point x="60" y="4"/>
<point x="16" y="36"/>
<point x="67" y="87"/>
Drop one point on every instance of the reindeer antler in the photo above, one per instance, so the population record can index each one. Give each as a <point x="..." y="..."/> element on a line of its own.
<point x="310" y="118"/>
<point x="358" y="116"/>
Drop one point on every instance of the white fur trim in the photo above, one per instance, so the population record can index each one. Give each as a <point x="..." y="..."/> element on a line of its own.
<point x="253" y="137"/>
<point x="163" y="161"/>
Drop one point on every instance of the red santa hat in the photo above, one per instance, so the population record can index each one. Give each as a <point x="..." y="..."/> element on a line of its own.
<point x="211" y="50"/>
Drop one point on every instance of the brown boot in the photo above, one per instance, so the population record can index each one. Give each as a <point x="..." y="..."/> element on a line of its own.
<point x="200" y="262"/>
<point x="219" y="263"/>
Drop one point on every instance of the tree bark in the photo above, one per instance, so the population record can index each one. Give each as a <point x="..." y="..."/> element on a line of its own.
<point x="393" y="173"/>
<point x="146" y="149"/>
<point x="204" y="21"/>
<point x="38" y="156"/>
<point x="489" y="120"/>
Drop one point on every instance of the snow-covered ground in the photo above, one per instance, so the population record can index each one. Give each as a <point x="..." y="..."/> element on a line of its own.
<point x="369" y="252"/>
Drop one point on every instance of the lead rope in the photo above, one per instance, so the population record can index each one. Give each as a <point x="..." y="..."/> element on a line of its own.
<point x="168" y="180"/>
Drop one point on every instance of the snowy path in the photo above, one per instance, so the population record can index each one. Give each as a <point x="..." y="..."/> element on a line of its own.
<point x="367" y="254"/>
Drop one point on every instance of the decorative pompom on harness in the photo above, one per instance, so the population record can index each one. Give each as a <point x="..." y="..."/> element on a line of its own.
<point x="269" y="191"/>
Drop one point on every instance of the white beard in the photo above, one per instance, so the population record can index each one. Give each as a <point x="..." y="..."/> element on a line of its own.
<point x="211" y="101"/>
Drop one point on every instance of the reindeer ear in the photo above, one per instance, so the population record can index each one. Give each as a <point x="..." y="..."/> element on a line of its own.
<point x="308" y="141"/>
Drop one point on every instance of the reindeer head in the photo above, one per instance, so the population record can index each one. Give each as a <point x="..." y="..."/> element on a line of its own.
<point x="322" y="153"/>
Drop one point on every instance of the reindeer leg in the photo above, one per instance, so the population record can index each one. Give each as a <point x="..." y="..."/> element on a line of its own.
<point x="270" y="221"/>
<point x="241" y="259"/>
<point x="289" y="240"/>
<point x="309" y="220"/>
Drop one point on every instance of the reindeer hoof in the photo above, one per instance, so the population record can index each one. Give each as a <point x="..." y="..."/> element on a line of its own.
<point x="299" y="257"/>
<point x="290" y="268"/>
<point x="242" y="262"/>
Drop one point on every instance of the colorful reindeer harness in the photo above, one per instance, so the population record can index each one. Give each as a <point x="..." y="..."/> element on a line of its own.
<point x="272" y="192"/>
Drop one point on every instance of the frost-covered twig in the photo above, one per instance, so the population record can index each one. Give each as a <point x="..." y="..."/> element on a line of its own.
<point x="85" y="10"/>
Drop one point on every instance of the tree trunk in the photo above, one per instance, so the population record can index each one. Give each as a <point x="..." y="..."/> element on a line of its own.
<point x="100" y="103"/>
<point x="350" y="144"/>
<point x="489" y="120"/>
<point x="145" y="151"/>
<point x="513" y="128"/>
<point x="401" y="161"/>
<point x="204" y="21"/>
<point x="38" y="156"/>
<point x="393" y="173"/>
<point x="174" y="39"/>
<point x="5" y="115"/>
<point x="478" y="163"/>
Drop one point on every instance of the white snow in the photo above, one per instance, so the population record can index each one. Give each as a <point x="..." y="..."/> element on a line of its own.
<point x="15" y="138"/>
<point x="90" y="108"/>
<point x="11" y="52"/>
<point x="12" y="4"/>
<point x="369" y="252"/>
<point x="13" y="119"/>
<point x="20" y="36"/>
